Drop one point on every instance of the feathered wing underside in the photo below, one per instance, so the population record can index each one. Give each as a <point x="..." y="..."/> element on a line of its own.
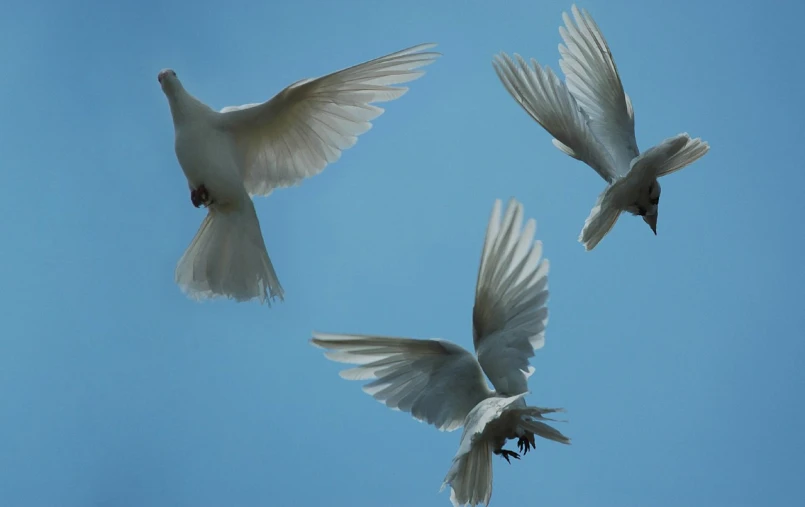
<point x="593" y="80"/>
<point x="510" y="312"/>
<point x="307" y="125"/>
<point x="602" y="217"/>
<point x="436" y="381"/>
<point x="547" y="100"/>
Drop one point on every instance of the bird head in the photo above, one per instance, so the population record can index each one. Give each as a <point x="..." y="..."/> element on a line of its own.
<point x="167" y="78"/>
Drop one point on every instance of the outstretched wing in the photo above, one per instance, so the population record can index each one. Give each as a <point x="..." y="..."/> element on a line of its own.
<point x="547" y="100"/>
<point x="592" y="78"/>
<point x="510" y="312"/>
<point x="436" y="381"/>
<point x="307" y="125"/>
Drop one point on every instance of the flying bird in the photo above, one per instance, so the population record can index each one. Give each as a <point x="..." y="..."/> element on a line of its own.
<point x="244" y="151"/>
<point x="592" y="120"/>
<point x="443" y="384"/>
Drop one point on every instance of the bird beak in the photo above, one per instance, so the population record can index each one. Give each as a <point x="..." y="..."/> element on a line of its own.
<point x="651" y="220"/>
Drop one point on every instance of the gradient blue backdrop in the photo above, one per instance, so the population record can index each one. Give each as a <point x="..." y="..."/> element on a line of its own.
<point x="679" y="357"/>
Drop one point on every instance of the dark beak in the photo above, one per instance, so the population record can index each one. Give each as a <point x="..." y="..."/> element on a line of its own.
<point x="651" y="220"/>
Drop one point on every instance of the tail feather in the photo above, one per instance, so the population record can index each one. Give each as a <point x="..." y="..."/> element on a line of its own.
<point x="601" y="220"/>
<point x="470" y="476"/>
<point x="693" y="150"/>
<point x="543" y="430"/>
<point x="228" y="257"/>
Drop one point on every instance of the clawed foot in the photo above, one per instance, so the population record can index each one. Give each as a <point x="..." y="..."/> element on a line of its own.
<point x="507" y="453"/>
<point x="200" y="197"/>
<point x="524" y="445"/>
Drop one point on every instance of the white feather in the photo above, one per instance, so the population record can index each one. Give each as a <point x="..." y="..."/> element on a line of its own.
<point x="228" y="258"/>
<point x="591" y="119"/>
<point x="254" y="148"/>
<point x="510" y="312"/>
<point x="593" y="80"/>
<point x="488" y="425"/>
<point x="307" y="125"/>
<point x="443" y="384"/>
<point x="547" y="100"/>
<point x="436" y="381"/>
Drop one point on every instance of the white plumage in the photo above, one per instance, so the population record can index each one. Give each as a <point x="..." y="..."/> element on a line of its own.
<point x="443" y="384"/>
<point x="592" y="120"/>
<point x="243" y="151"/>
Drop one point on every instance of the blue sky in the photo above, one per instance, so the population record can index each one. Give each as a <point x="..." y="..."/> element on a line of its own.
<point x="678" y="357"/>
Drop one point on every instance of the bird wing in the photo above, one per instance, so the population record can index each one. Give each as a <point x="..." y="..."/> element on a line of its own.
<point x="307" y="125"/>
<point x="510" y="312"/>
<point x="547" y="100"/>
<point x="435" y="380"/>
<point x="592" y="78"/>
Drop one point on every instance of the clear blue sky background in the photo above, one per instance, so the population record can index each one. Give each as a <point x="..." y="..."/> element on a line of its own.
<point x="679" y="357"/>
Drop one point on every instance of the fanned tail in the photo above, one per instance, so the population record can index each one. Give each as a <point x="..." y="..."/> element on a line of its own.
<point x="470" y="476"/>
<point x="228" y="258"/>
<point x="693" y="150"/>
<point x="529" y="423"/>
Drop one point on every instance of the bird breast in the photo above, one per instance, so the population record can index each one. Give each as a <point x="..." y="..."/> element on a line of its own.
<point x="207" y="157"/>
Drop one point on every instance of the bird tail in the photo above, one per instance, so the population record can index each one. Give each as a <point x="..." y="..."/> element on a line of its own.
<point x="228" y="257"/>
<point x="601" y="220"/>
<point x="528" y="423"/>
<point x="470" y="476"/>
<point x="693" y="150"/>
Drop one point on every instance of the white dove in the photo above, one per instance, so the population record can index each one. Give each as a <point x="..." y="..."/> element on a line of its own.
<point x="443" y="384"/>
<point x="243" y="151"/>
<point x="591" y="119"/>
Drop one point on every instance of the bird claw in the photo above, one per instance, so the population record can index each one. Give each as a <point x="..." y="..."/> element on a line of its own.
<point x="200" y="197"/>
<point x="524" y="445"/>
<point x="507" y="453"/>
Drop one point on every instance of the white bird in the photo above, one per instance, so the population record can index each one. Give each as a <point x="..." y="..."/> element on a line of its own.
<point x="249" y="150"/>
<point x="591" y="119"/>
<point x="443" y="384"/>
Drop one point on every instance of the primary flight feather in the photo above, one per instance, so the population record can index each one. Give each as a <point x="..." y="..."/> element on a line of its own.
<point x="592" y="120"/>
<point x="243" y="151"/>
<point x="443" y="384"/>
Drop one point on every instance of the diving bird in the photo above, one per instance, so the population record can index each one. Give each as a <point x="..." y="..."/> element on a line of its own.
<point x="443" y="384"/>
<point x="592" y="120"/>
<point x="244" y="151"/>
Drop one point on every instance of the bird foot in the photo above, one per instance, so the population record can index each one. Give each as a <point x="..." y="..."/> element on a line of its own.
<point x="200" y="197"/>
<point x="524" y="445"/>
<point x="507" y="453"/>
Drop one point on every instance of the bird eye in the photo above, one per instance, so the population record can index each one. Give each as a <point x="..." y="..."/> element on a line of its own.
<point x="655" y="200"/>
<point x="174" y="73"/>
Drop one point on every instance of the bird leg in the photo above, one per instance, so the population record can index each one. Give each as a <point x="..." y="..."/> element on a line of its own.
<point x="525" y="444"/>
<point x="506" y="453"/>
<point x="200" y="197"/>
